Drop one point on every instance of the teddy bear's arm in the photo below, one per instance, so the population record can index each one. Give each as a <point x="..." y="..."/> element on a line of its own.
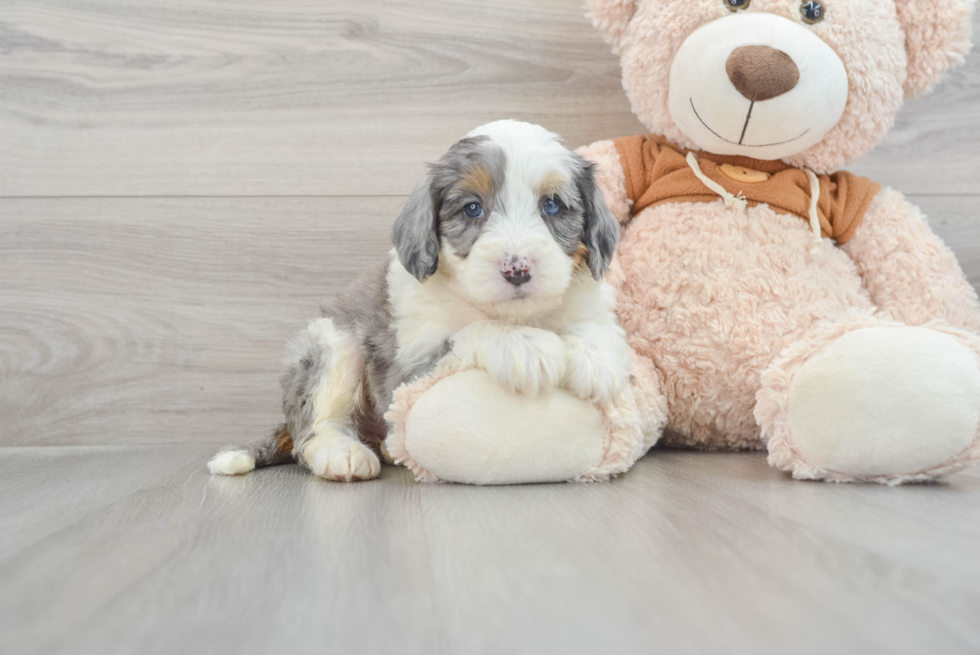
<point x="609" y="176"/>
<point x="908" y="270"/>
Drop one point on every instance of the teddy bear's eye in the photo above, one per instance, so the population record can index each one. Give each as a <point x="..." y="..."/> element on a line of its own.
<point x="812" y="12"/>
<point x="736" y="5"/>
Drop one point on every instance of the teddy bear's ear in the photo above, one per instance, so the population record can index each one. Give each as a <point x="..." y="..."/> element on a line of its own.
<point x="937" y="37"/>
<point x="611" y="17"/>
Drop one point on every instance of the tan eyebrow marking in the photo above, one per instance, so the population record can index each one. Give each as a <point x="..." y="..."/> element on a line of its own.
<point x="478" y="180"/>
<point x="550" y="185"/>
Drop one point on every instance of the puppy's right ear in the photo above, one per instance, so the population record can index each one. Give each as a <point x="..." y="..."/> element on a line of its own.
<point x="415" y="235"/>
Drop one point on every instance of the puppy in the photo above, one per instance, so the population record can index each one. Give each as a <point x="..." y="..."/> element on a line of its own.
<point x="498" y="260"/>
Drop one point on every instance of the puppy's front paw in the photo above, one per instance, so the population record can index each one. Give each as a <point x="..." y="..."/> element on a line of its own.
<point x="595" y="373"/>
<point x="344" y="460"/>
<point x="527" y="360"/>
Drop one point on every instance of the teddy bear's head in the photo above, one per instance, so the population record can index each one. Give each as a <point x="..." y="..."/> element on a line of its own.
<point x="815" y="83"/>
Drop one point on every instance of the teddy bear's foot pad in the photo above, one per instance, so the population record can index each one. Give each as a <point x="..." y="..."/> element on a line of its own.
<point x="468" y="428"/>
<point x="883" y="401"/>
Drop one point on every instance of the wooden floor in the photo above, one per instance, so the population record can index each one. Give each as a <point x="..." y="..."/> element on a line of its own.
<point x="182" y="181"/>
<point x="138" y="550"/>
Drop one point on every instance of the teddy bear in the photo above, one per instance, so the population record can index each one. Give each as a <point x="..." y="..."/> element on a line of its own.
<point x="787" y="304"/>
<point x="771" y="300"/>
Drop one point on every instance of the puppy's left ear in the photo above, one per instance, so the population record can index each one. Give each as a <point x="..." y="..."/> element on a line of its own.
<point x="415" y="235"/>
<point x="601" y="227"/>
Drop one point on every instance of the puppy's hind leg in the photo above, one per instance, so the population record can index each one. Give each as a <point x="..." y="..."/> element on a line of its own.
<point x="323" y="390"/>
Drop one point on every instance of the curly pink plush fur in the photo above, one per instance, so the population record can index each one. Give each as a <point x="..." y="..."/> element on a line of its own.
<point x="937" y="38"/>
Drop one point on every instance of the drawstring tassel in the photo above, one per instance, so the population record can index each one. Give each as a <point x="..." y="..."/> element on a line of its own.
<point x="814" y="216"/>
<point x="738" y="203"/>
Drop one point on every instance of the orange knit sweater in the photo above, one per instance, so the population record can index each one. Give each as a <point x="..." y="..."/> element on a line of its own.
<point x="657" y="172"/>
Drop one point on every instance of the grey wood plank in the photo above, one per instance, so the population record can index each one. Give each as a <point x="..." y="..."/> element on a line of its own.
<point x="934" y="144"/>
<point x="687" y="553"/>
<point x="956" y="219"/>
<point x="127" y="321"/>
<point x="154" y="97"/>
<point x="132" y="321"/>
<point x="206" y="97"/>
<point x="45" y="491"/>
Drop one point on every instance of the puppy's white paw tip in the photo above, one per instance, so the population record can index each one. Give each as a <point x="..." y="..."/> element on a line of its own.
<point x="346" y="463"/>
<point x="595" y="378"/>
<point x="231" y="462"/>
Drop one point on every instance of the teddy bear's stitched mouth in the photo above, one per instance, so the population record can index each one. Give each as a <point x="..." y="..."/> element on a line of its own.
<point x="739" y="143"/>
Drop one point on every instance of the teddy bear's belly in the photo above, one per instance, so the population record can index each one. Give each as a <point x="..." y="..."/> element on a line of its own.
<point x="712" y="296"/>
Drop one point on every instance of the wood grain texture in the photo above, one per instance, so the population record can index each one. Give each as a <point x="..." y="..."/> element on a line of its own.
<point x="688" y="553"/>
<point x="134" y="321"/>
<point x="295" y="97"/>
<point x="158" y="316"/>
<point x="127" y="321"/>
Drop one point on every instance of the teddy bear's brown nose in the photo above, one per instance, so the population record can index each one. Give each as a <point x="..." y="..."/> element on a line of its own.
<point x="762" y="73"/>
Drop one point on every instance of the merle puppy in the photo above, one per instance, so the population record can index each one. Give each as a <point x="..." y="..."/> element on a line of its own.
<point x="498" y="261"/>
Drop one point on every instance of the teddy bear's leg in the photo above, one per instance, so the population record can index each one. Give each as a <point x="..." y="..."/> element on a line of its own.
<point x="465" y="427"/>
<point x="873" y="400"/>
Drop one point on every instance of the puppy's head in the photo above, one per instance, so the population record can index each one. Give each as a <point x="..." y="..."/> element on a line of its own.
<point x="510" y="216"/>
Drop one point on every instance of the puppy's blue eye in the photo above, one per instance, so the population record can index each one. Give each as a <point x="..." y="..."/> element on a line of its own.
<point x="736" y="5"/>
<point x="550" y="207"/>
<point x="473" y="210"/>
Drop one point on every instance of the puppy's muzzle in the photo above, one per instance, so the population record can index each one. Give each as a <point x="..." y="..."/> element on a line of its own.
<point x="516" y="270"/>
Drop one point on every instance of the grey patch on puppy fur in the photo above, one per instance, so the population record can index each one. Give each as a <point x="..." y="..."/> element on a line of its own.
<point x="307" y="362"/>
<point x="471" y="171"/>
<point x="363" y="311"/>
<point x="415" y="234"/>
<point x="584" y="219"/>
<point x="601" y="231"/>
<point x="567" y="226"/>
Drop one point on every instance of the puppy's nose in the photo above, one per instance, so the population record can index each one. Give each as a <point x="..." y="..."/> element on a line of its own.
<point x="762" y="73"/>
<point x="516" y="270"/>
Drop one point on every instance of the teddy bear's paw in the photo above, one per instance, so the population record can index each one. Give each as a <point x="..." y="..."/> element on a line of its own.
<point x="595" y="373"/>
<point x="526" y="360"/>
<point x="886" y="401"/>
<point x="343" y="459"/>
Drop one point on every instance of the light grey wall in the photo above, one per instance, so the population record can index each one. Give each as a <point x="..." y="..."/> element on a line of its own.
<point x="182" y="181"/>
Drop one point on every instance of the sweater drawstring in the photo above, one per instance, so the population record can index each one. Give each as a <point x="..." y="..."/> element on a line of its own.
<point x="739" y="202"/>
<point x="814" y="216"/>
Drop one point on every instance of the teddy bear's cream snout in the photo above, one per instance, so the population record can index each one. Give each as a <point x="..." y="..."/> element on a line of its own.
<point x="756" y="85"/>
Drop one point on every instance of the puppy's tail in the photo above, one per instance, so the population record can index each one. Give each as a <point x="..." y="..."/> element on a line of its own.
<point x="275" y="449"/>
